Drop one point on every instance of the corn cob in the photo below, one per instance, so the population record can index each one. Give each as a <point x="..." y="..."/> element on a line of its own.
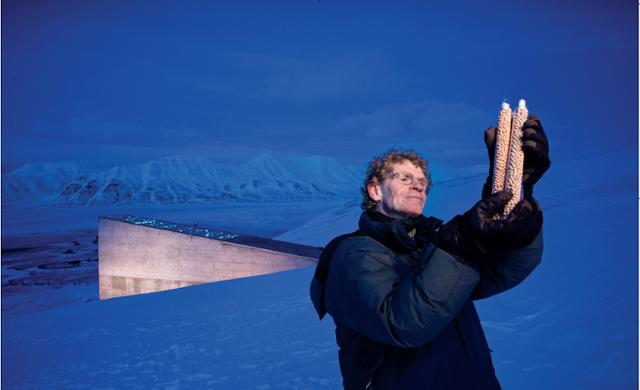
<point x="507" y="173"/>
<point x="502" y="148"/>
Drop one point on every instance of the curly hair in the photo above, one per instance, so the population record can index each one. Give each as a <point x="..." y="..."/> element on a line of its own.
<point x="380" y="167"/>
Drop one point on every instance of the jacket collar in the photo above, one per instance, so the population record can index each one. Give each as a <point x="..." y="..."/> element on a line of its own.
<point x="394" y="232"/>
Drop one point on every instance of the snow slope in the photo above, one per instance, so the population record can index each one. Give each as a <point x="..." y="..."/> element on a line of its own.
<point x="571" y="324"/>
<point x="250" y="333"/>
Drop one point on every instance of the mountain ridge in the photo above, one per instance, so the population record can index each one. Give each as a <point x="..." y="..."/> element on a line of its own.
<point x="181" y="179"/>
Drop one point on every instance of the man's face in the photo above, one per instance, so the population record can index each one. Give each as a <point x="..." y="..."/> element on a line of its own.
<point x="397" y="199"/>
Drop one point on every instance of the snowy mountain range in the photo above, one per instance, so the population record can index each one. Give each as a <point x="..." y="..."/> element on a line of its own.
<point x="181" y="179"/>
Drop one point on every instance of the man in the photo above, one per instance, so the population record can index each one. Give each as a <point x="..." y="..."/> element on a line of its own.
<point x="401" y="288"/>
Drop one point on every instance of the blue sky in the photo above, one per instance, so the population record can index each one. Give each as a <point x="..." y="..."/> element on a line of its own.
<point x="116" y="81"/>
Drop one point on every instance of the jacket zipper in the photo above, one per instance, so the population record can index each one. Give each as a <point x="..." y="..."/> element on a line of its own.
<point x="373" y="371"/>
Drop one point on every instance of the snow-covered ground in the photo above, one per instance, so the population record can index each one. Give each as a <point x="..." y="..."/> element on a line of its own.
<point x="571" y="324"/>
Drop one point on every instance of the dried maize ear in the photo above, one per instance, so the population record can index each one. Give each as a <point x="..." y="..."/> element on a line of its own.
<point x="513" y="182"/>
<point x="501" y="155"/>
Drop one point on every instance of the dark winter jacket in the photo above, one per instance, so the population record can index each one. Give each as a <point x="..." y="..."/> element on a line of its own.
<point x="404" y="311"/>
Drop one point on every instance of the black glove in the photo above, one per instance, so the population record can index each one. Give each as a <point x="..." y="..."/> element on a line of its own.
<point x="477" y="233"/>
<point x="535" y="146"/>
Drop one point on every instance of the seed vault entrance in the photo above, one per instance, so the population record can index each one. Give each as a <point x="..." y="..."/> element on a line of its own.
<point x="141" y="255"/>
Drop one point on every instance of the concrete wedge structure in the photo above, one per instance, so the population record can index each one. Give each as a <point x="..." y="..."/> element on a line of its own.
<point x="140" y="255"/>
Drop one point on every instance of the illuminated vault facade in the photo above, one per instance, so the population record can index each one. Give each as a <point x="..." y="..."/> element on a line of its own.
<point x="141" y="255"/>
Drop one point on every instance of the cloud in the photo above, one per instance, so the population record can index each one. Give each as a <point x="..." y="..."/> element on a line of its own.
<point x="429" y="118"/>
<point x="442" y="129"/>
<point x="183" y="135"/>
<point x="389" y="120"/>
<point x="86" y="130"/>
<point x="300" y="79"/>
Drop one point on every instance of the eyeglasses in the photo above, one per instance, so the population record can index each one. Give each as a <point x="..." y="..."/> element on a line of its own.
<point x="408" y="179"/>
